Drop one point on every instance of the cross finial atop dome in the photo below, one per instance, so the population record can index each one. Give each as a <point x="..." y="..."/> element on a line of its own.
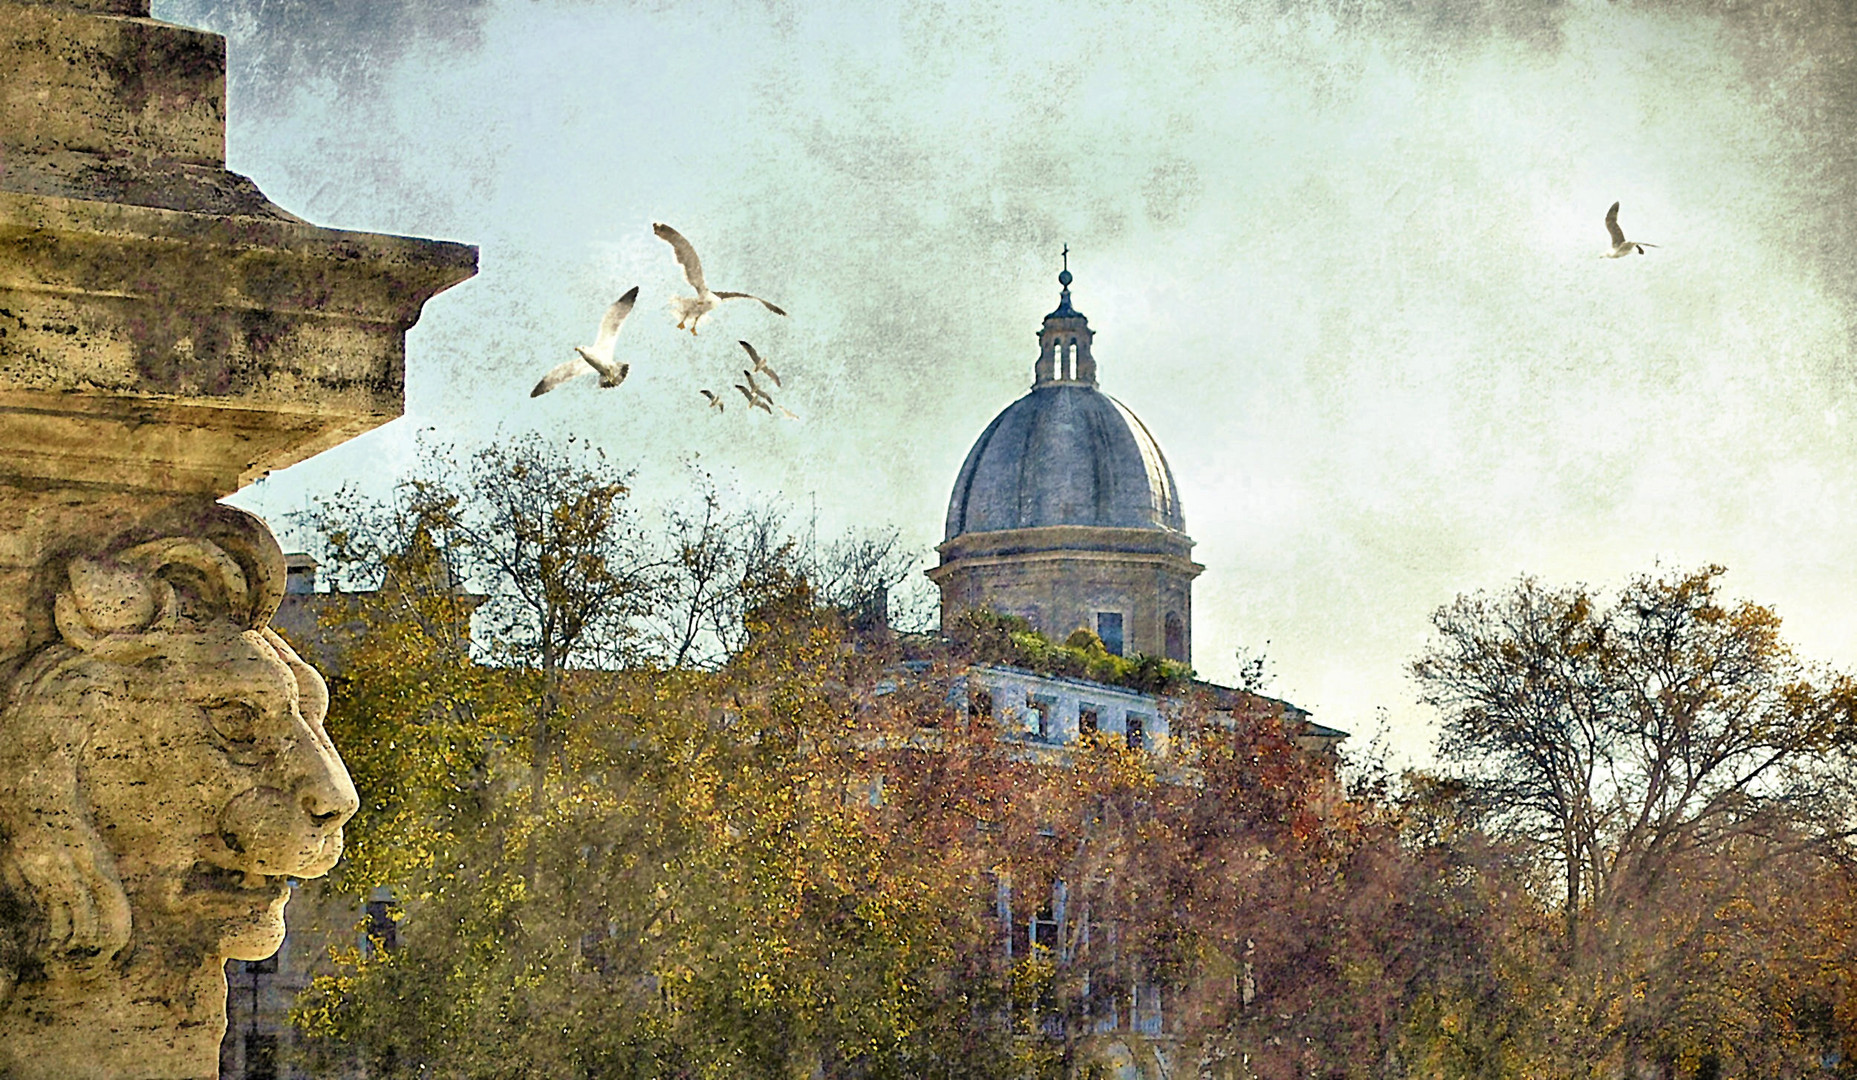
<point x="1064" y="310"/>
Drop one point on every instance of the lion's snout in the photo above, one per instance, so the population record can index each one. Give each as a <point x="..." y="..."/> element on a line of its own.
<point x="293" y="826"/>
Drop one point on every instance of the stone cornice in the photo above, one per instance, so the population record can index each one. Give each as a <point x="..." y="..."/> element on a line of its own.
<point x="167" y="336"/>
<point x="1067" y="539"/>
<point x="145" y="348"/>
<point x="1066" y="544"/>
<point x="254" y="258"/>
<point x="103" y="78"/>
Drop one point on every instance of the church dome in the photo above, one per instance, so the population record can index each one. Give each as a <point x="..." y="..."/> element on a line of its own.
<point x="1065" y="513"/>
<point x="1064" y="454"/>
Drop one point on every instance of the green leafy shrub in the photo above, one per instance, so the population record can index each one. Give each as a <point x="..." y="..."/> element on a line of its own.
<point x="987" y="637"/>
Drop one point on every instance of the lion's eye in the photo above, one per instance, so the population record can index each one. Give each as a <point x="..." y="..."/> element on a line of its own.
<point x="235" y="724"/>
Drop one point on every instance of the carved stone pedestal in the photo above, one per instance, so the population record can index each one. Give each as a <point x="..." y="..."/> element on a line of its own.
<point x="167" y="335"/>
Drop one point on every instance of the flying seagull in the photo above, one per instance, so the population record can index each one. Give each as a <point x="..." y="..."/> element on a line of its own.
<point x="759" y="397"/>
<point x="1621" y="247"/>
<point x="759" y="364"/>
<point x="691" y="309"/>
<point x="754" y="400"/>
<point x="755" y="388"/>
<point x="598" y="358"/>
<point x="714" y="401"/>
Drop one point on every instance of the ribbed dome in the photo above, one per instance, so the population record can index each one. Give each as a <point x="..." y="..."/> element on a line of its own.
<point x="1064" y="454"/>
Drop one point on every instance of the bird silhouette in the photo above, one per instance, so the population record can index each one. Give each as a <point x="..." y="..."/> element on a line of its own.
<point x="691" y="309"/>
<point x="714" y="401"/>
<point x="760" y="365"/>
<point x="1621" y="247"/>
<point x="755" y="387"/>
<point x="754" y="400"/>
<point x="599" y="357"/>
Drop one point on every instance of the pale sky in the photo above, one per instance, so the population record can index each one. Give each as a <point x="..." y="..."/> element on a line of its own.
<point x="1340" y="257"/>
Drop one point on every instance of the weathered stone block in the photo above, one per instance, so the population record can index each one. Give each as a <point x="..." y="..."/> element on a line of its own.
<point x="110" y="85"/>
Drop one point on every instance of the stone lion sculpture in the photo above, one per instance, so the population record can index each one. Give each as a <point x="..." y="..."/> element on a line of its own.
<point x="164" y="775"/>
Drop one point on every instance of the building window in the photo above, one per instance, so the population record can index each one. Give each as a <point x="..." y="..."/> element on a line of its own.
<point x="594" y="953"/>
<point x="1038" y="722"/>
<point x="1135" y="732"/>
<point x="1144" y="1009"/>
<point x="1042" y="933"/>
<point x="1109" y="628"/>
<point x="1176" y="637"/>
<point x="980" y="704"/>
<point x="1088" y="721"/>
<point x="299" y="574"/>
<point x="383" y="931"/>
<point x="266" y="966"/>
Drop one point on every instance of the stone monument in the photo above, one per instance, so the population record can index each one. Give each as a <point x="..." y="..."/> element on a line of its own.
<point x="167" y="335"/>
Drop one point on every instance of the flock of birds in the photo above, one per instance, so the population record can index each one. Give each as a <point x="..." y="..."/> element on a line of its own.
<point x="598" y="357"/>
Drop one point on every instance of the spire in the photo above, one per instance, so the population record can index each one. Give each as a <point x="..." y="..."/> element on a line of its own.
<point x="1064" y="343"/>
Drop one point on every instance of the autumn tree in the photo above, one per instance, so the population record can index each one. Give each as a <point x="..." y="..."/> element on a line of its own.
<point x="700" y="886"/>
<point x="1660" y="757"/>
<point x="716" y="892"/>
<point x="419" y="721"/>
<point x="541" y="531"/>
<point x="764" y="848"/>
<point x="716" y="557"/>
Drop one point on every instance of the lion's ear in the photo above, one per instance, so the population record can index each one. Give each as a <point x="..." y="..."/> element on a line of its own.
<point x="216" y="577"/>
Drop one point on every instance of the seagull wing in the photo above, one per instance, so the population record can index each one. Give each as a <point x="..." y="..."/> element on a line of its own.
<point x="686" y="255"/>
<point x="560" y="373"/>
<point x="714" y="401"/>
<point x="1618" y="234"/>
<point x="756" y="387"/>
<point x="611" y="322"/>
<point x="749" y="296"/>
<point x="788" y="413"/>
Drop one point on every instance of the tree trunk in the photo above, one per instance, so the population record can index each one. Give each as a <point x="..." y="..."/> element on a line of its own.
<point x="1571" y="851"/>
